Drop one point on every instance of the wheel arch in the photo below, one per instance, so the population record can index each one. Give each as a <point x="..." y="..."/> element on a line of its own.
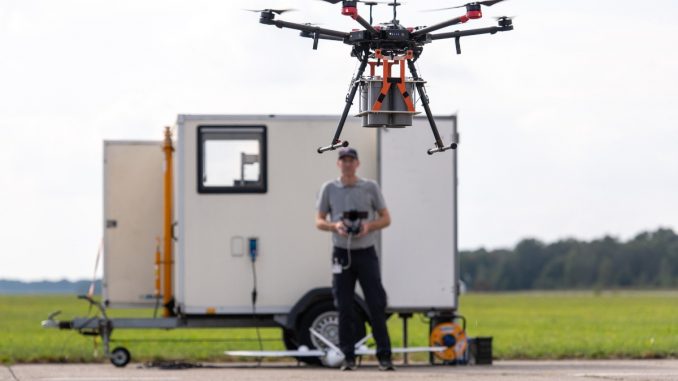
<point x="317" y="295"/>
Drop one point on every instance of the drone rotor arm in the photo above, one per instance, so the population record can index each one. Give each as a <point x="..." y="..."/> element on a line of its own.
<point x="316" y="37"/>
<point x="266" y="18"/>
<point x="320" y="36"/>
<point x="444" y="24"/>
<point x="365" y="24"/>
<point x="471" y="32"/>
<point x="353" y="13"/>
<point x="311" y="29"/>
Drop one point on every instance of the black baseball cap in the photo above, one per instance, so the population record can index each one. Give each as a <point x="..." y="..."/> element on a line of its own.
<point x="348" y="151"/>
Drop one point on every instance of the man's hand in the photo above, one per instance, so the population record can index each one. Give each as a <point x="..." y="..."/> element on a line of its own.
<point x="340" y="229"/>
<point x="364" y="229"/>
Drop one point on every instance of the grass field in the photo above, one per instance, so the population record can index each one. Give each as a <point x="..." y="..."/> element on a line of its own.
<point x="544" y="325"/>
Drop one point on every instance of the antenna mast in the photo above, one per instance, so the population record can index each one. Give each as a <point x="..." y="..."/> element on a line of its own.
<point x="395" y="6"/>
<point x="371" y="4"/>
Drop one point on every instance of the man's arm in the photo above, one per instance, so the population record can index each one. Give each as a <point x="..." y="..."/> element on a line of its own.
<point x="383" y="221"/>
<point x="336" y="227"/>
<point x="323" y="208"/>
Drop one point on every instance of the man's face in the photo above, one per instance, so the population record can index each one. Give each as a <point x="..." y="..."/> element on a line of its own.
<point x="348" y="165"/>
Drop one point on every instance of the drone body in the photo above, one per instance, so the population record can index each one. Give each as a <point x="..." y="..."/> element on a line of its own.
<point x="387" y="100"/>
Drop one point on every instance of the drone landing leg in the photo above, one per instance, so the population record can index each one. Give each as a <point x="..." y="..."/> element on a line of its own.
<point x="424" y="101"/>
<point x="336" y="143"/>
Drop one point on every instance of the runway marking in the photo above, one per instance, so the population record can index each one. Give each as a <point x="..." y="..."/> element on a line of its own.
<point x="108" y="378"/>
<point x="618" y="374"/>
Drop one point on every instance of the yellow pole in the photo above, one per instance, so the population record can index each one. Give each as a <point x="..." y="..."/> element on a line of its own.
<point x="158" y="272"/>
<point x="167" y="296"/>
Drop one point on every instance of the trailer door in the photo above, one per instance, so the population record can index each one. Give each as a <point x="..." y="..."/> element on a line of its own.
<point x="133" y="195"/>
<point x="419" y="249"/>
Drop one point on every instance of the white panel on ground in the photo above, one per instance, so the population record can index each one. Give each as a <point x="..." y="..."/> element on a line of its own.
<point x="418" y="256"/>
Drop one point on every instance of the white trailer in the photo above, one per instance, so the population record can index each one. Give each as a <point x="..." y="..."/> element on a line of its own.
<point x="245" y="187"/>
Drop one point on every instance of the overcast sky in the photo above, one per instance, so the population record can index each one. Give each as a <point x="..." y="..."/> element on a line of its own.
<point x="568" y="124"/>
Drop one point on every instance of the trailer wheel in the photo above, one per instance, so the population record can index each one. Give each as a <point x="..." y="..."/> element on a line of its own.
<point x="120" y="357"/>
<point x="324" y="318"/>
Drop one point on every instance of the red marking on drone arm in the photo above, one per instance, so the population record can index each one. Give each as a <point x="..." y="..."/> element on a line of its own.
<point x="350" y="11"/>
<point x="474" y="14"/>
<point x="463" y="19"/>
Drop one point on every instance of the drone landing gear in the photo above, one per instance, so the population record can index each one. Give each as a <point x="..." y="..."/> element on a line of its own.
<point x="440" y="147"/>
<point x="338" y="143"/>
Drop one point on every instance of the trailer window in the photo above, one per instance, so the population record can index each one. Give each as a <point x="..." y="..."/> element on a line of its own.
<point x="231" y="159"/>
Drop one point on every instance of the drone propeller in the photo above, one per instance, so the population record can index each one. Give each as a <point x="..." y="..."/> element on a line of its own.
<point x="487" y="3"/>
<point x="371" y="4"/>
<point x="490" y="3"/>
<point x="276" y="11"/>
<point x="368" y="2"/>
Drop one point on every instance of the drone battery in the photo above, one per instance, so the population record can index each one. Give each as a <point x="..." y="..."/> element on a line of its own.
<point x="371" y="89"/>
<point x="401" y="116"/>
<point x="393" y="112"/>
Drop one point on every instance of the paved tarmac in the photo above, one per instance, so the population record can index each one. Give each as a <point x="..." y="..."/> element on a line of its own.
<point x="595" y="370"/>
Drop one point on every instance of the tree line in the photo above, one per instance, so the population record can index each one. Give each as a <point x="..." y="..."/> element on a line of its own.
<point x="648" y="260"/>
<point x="80" y="287"/>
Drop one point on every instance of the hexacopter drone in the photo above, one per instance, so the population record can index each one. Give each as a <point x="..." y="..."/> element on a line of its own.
<point x="386" y="45"/>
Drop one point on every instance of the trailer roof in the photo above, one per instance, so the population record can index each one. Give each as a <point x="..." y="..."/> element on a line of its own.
<point x="131" y="142"/>
<point x="181" y="118"/>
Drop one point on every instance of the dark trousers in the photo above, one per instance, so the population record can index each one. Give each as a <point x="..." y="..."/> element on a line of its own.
<point x="365" y="269"/>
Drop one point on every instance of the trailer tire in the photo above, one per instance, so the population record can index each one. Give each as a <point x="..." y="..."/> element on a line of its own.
<point x="322" y="316"/>
<point x="120" y="357"/>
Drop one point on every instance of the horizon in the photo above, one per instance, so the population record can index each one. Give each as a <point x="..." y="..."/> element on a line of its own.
<point x="511" y="248"/>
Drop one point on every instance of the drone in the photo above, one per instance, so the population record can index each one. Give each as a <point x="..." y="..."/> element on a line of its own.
<point x="388" y="100"/>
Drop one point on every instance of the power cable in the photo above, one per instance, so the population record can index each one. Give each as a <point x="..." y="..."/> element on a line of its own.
<point x="254" y="305"/>
<point x="348" y="250"/>
<point x="11" y="372"/>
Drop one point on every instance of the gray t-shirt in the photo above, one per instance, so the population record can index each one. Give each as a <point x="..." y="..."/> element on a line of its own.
<point x="336" y="198"/>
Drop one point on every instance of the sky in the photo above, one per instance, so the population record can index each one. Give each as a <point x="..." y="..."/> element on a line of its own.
<point x="568" y="123"/>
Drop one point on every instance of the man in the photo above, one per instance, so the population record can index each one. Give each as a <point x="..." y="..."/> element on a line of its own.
<point x="354" y="256"/>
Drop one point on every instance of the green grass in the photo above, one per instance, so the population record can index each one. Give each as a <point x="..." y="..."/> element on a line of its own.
<point x="577" y="324"/>
<point x="524" y="325"/>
